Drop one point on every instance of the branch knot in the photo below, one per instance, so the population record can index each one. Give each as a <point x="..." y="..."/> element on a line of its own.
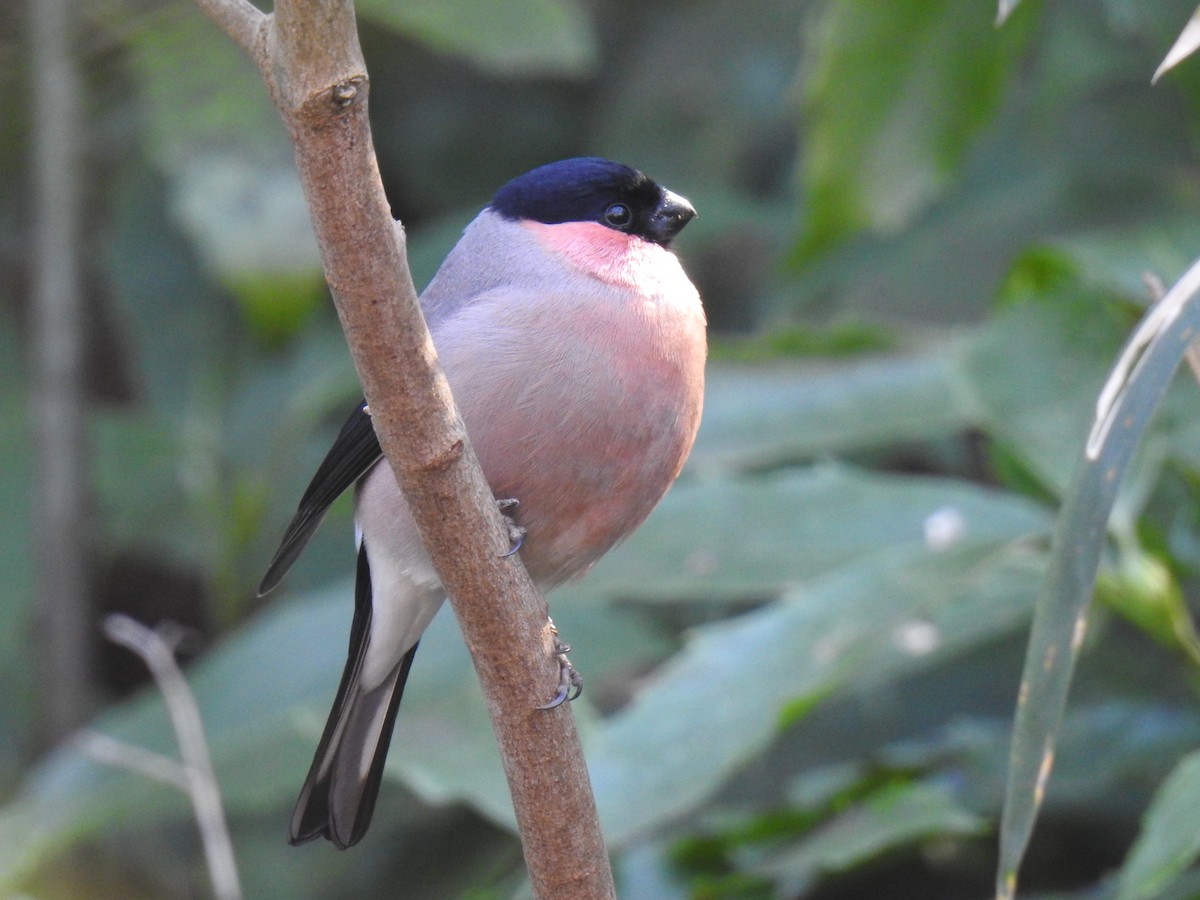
<point x="347" y="92"/>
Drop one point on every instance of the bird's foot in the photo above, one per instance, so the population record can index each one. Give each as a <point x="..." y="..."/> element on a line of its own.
<point x="516" y="534"/>
<point x="570" y="682"/>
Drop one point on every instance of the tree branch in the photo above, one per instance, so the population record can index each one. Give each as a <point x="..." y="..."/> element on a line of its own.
<point x="313" y="65"/>
<point x="61" y="547"/>
<point x="239" y="19"/>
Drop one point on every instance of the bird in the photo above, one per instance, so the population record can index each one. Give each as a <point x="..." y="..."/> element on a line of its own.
<point x="574" y="345"/>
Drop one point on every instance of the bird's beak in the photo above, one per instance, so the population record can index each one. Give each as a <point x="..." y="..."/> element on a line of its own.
<point x="669" y="217"/>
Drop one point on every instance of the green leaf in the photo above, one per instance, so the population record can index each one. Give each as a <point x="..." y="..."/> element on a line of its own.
<point x="1034" y="373"/>
<point x="1138" y="381"/>
<point x="757" y="416"/>
<point x="895" y="95"/>
<point x="200" y="91"/>
<point x="729" y="539"/>
<point x="842" y="339"/>
<point x="525" y="37"/>
<point x="185" y="335"/>
<point x="1170" y="838"/>
<point x="1118" y="260"/>
<point x="211" y="128"/>
<point x="1140" y="587"/>
<point x="720" y="701"/>
<point x="250" y="223"/>
<point x="893" y="816"/>
<point x="138" y="478"/>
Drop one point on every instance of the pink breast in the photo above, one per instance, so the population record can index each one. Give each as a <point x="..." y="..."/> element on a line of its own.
<point x="604" y="253"/>
<point x="592" y="441"/>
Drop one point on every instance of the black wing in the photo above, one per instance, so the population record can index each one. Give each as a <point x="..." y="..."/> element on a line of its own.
<point x="352" y="455"/>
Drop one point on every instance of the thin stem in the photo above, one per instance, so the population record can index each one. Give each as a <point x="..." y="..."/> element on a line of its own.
<point x="60" y="539"/>
<point x="201" y="781"/>
<point x="239" y="19"/>
<point x="114" y="752"/>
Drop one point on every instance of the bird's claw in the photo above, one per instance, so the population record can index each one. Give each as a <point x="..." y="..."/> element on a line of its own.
<point x="516" y="534"/>
<point x="570" y="682"/>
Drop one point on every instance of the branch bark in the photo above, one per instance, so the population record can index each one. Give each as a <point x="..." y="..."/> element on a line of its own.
<point x="63" y="613"/>
<point x="309" y="55"/>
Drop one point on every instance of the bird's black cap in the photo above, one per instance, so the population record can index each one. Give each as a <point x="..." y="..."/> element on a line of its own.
<point x="591" y="189"/>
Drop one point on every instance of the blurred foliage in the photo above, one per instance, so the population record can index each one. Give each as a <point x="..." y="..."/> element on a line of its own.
<point x="922" y="240"/>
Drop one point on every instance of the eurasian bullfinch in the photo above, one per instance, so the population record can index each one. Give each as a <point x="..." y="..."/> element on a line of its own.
<point x="574" y="345"/>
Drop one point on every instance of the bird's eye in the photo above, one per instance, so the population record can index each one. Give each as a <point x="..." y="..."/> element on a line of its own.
<point x="618" y="215"/>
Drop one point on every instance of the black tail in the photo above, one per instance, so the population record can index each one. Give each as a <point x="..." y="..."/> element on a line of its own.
<point x="338" y="796"/>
